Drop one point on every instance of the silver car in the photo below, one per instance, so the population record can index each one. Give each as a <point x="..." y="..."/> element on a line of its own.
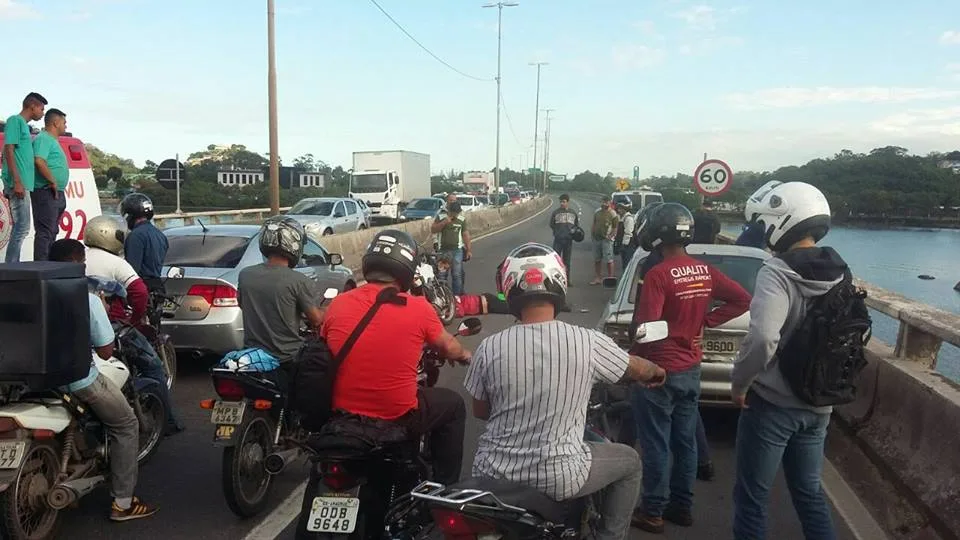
<point x="720" y="344"/>
<point x="322" y="216"/>
<point x="206" y="318"/>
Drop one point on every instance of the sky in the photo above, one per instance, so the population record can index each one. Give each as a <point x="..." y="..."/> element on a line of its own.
<point x="653" y="83"/>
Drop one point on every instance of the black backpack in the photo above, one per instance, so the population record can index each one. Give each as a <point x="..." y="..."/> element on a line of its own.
<point x="317" y="366"/>
<point x="823" y="357"/>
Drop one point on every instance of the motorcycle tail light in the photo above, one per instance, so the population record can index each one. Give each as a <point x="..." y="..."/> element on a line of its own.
<point x="229" y="389"/>
<point x="453" y="524"/>
<point x="336" y="476"/>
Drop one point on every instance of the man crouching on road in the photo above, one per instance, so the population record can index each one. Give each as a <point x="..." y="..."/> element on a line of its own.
<point x="532" y="383"/>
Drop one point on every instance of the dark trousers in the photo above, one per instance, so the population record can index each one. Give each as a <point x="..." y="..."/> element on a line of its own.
<point x="564" y="247"/>
<point x="46" y="219"/>
<point x="441" y="413"/>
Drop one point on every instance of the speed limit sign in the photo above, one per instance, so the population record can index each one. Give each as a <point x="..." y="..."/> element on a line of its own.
<point x="713" y="177"/>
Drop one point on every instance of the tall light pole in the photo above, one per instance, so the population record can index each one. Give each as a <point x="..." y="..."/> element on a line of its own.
<point x="272" y="104"/>
<point x="499" y="6"/>
<point x="546" y="146"/>
<point x="536" y="117"/>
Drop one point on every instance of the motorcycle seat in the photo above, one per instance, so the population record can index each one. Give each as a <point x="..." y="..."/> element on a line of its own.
<point x="520" y="495"/>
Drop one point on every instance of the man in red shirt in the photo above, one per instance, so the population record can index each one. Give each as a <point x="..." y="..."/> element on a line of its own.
<point x="679" y="290"/>
<point x="378" y="377"/>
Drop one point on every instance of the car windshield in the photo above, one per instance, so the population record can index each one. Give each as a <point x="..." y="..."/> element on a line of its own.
<point x="741" y="269"/>
<point x="425" y="204"/>
<point x="635" y="200"/>
<point x="312" y="208"/>
<point x="465" y="201"/>
<point x="206" y="251"/>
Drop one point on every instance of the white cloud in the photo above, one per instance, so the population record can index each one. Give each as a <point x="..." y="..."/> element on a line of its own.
<point x="950" y="37"/>
<point x="699" y="17"/>
<point x="636" y="56"/>
<point x="11" y="9"/>
<point x="920" y="122"/>
<point x="826" y="95"/>
<point x="647" y="29"/>
<point x="953" y="71"/>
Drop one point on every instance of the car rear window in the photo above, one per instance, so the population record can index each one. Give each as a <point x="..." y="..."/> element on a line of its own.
<point x="743" y="270"/>
<point x="206" y="251"/>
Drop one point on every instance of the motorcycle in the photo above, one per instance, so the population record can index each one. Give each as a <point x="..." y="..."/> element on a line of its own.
<point x="436" y="291"/>
<point x="54" y="450"/>
<point x="362" y="470"/>
<point x="160" y="306"/>
<point x="482" y="507"/>
<point x="257" y="430"/>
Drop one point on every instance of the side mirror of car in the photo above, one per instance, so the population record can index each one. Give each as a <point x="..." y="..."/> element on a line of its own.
<point x="175" y="272"/>
<point x="336" y="259"/>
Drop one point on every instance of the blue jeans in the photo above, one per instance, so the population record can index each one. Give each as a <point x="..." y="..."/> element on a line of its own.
<point x="703" y="447"/>
<point x="456" y="269"/>
<point x="667" y="426"/>
<point x="20" y="214"/>
<point x="151" y="366"/>
<point x="768" y="435"/>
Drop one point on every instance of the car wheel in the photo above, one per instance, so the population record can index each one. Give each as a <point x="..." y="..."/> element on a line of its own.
<point x="362" y="227"/>
<point x="327" y="232"/>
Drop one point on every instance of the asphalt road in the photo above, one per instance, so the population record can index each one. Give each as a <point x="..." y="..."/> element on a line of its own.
<point x="184" y="477"/>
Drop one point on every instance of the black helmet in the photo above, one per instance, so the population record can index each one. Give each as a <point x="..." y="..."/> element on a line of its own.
<point x="668" y="224"/>
<point x="577" y="233"/>
<point x="643" y="222"/>
<point x="284" y="236"/>
<point x="395" y="253"/>
<point x="135" y="206"/>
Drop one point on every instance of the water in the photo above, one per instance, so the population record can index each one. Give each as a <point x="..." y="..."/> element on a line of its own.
<point x="892" y="259"/>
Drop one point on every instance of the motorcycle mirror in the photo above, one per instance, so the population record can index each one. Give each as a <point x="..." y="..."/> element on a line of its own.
<point x="330" y="293"/>
<point x="469" y="327"/>
<point x="175" y="272"/>
<point x="652" y="331"/>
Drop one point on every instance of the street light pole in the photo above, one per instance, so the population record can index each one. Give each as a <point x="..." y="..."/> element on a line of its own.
<point x="499" y="6"/>
<point x="546" y="145"/>
<point x="272" y="104"/>
<point x="536" y="117"/>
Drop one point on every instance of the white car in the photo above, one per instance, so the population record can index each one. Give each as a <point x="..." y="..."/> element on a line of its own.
<point x="322" y="216"/>
<point x="720" y="344"/>
<point x="469" y="203"/>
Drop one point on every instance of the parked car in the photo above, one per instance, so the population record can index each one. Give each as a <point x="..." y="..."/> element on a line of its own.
<point x="329" y="215"/>
<point x="426" y="208"/>
<point x="205" y="317"/>
<point x="367" y="213"/>
<point x="469" y="203"/>
<point x="720" y="344"/>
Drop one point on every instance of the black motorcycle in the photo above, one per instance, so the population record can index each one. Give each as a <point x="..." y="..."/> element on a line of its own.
<point x="362" y="471"/>
<point x="160" y="306"/>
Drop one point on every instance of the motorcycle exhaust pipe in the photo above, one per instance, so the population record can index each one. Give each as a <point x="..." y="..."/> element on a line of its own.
<point x="276" y="462"/>
<point x="67" y="493"/>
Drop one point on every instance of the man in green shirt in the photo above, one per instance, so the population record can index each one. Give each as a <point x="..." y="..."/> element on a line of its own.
<point x="453" y="242"/>
<point x="18" y="170"/>
<point x="605" y="221"/>
<point x="52" y="173"/>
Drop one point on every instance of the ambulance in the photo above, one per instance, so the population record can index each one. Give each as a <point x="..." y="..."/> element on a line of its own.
<point x="83" y="200"/>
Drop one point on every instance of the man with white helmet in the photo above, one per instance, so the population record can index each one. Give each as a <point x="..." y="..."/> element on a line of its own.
<point x="775" y="424"/>
<point x="532" y="382"/>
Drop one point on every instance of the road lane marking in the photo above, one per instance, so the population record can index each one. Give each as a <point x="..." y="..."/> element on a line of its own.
<point x="280" y="518"/>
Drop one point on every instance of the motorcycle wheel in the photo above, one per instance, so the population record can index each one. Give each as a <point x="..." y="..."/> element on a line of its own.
<point x="168" y="357"/>
<point x="446" y="304"/>
<point x="153" y="422"/>
<point x="26" y="515"/>
<point x="246" y="483"/>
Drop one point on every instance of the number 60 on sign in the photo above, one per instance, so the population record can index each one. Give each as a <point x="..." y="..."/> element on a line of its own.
<point x="713" y="177"/>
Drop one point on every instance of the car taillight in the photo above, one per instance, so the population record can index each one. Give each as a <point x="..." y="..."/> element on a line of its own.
<point x="456" y="525"/>
<point x="76" y="152"/>
<point x="336" y="477"/>
<point x="228" y="389"/>
<point x="219" y="295"/>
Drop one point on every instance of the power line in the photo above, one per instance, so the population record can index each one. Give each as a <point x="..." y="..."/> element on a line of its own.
<point x="421" y="45"/>
<point x="503" y="104"/>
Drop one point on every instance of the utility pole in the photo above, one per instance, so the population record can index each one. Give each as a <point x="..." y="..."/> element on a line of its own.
<point x="499" y="6"/>
<point x="272" y="99"/>
<point x="536" y="118"/>
<point x="546" y="146"/>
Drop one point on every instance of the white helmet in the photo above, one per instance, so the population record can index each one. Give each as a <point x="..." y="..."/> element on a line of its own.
<point x="529" y="271"/>
<point x="789" y="212"/>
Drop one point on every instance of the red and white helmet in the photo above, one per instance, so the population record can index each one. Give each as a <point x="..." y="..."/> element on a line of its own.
<point x="532" y="270"/>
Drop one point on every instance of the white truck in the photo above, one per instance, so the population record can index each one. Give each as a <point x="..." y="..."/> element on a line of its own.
<point x="478" y="182"/>
<point x="387" y="180"/>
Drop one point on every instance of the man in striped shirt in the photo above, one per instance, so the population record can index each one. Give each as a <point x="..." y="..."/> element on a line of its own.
<point x="532" y="383"/>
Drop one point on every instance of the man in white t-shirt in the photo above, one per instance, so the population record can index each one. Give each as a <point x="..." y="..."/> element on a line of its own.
<point x="532" y="384"/>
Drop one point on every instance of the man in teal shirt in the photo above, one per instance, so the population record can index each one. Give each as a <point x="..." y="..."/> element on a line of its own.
<point x="52" y="173"/>
<point x="18" y="174"/>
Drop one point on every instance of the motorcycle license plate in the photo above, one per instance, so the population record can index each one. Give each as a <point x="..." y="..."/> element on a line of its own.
<point x="228" y="413"/>
<point x="169" y="306"/>
<point x="11" y="454"/>
<point x="333" y="515"/>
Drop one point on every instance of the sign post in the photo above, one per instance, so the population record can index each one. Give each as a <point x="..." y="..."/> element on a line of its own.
<point x="171" y="171"/>
<point x="623" y="184"/>
<point x="713" y="177"/>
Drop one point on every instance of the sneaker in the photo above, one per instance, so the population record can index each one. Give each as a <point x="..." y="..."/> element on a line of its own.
<point x="650" y="524"/>
<point x="596" y="282"/>
<point x="678" y="516"/>
<point x="137" y="510"/>
<point x="705" y="472"/>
